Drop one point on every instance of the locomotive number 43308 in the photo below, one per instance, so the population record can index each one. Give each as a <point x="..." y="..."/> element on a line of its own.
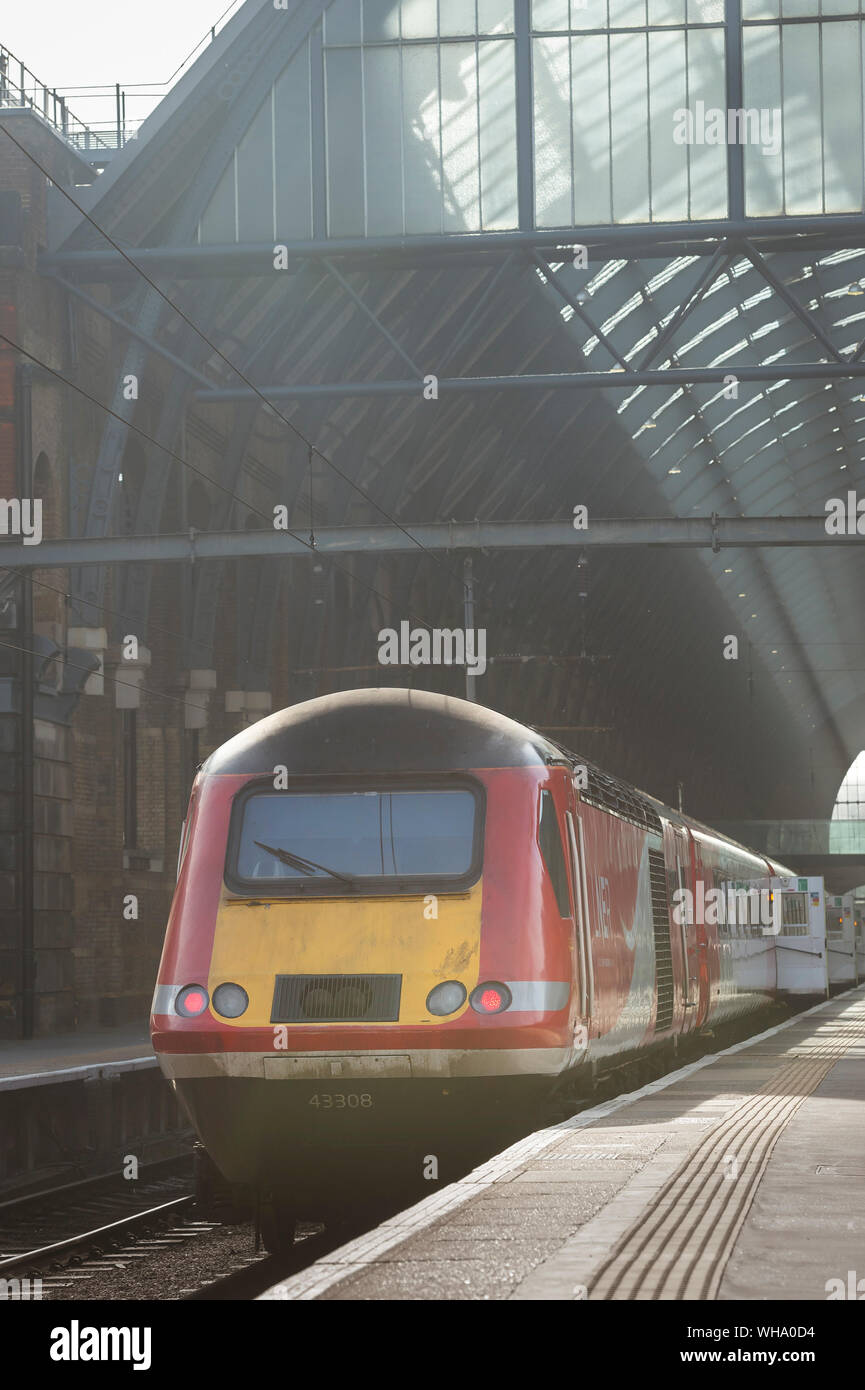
<point x="338" y="1100"/>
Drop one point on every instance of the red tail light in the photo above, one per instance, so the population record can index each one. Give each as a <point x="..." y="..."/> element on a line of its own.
<point x="191" y="1001"/>
<point x="492" y="997"/>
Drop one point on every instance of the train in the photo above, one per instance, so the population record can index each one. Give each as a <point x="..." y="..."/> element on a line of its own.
<point x="398" y="912"/>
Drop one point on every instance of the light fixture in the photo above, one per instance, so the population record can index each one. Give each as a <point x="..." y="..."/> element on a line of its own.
<point x="191" y="1001"/>
<point x="230" y="1000"/>
<point x="446" y="998"/>
<point x="490" y="998"/>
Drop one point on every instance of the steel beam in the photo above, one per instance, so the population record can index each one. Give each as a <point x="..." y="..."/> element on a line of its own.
<point x="670" y="377"/>
<point x="683" y="532"/>
<point x="637" y="239"/>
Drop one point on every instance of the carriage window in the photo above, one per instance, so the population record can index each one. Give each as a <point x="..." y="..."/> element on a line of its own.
<point x="341" y="840"/>
<point x="550" y="841"/>
<point x="794" y="914"/>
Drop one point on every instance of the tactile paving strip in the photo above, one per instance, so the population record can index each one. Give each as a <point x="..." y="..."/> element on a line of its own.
<point x="679" y="1248"/>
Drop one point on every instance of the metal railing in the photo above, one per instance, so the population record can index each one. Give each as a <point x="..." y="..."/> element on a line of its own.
<point x="19" y="86"/>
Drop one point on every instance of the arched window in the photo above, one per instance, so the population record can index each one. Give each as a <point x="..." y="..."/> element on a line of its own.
<point x="847" y="832"/>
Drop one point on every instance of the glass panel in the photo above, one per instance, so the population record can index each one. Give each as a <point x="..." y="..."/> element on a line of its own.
<point x="550" y="842"/>
<point x="842" y="119"/>
<point x="217" y="224"/>
<point x="799" y="7"/>
<point x="841" y="7"/>
<point x="421" y="139"/>
<point x="420" y="18"/>
<point x="629" y="118"/>
<point x="552" y="130"/>
<point x="666" y="11"/>
<point x="380" y="20"/>
<point x="707" y="163"/>
<point x="595" y="14"/>
<point x="550" y="14"/>
<point x="668" y="94"/>
<point x="705" y="11"/>
<point x="360" y="834"/>
<point x="629" y="13"/>
<point x="344" y="103"/>
<point x="456" y="17"/>
<point x="459" y="132"/>
<point x="763" y="172"/>
<point x="498" y="135"/>
<point x="794" y="911"/>
<point x="803" y="143"/>
<point x="383" y="142"/>
<point x="760" y="9"/>
<point x="342" y="22"/>
<point x="495" y="16"/>
<point x="590" y="130"/>
<point x="255" y="178"/>
<point x="293" y="160"/>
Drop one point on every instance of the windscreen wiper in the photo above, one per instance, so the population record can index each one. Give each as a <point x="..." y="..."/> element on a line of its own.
<point x="305" y="866"/>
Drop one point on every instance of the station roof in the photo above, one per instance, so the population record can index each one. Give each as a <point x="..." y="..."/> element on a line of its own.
<point x="433" y="171"/>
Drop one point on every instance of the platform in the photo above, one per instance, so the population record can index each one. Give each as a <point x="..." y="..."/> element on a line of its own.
<point x="740" y="1176"/>
<point x="75" y="1057"/>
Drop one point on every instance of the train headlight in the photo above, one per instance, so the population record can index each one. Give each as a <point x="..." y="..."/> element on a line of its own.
<point x="191" y="1001"/>
<point x="446" y="999"/>
<point x="490" y="998"/>
<point x="230" y="1000"/>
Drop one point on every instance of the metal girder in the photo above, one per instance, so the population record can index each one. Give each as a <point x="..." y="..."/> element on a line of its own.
<point x="687" y="532"/>
<point x="553" y="381"/>
<point x="107" y="313"/>
<point x="641" y="240"/>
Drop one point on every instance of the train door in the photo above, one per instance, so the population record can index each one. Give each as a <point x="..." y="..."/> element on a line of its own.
<point x="700" y="874"/>
<point x="798" y="934"/>
<point x="684" y="925"/>
<point x="583" y="1024"/>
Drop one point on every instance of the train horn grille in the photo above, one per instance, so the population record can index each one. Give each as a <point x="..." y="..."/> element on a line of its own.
<point x="336" y="999"/>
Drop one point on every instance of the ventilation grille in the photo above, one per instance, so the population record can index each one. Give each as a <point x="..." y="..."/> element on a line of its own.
<point x="609" y="794"/>
<point x="336" y="999"/>
<point x="663" y="950"/>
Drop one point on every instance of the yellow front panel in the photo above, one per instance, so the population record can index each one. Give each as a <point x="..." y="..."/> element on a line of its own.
<point x="253" y="943"/>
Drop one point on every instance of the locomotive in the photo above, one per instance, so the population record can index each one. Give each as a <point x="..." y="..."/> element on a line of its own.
<point x="397" y="911"/>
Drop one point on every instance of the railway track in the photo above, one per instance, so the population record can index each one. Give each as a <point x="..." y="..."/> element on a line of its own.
<point x="68" y="1234"/>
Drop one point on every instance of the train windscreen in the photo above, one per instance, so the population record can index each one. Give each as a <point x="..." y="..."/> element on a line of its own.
<point x="356" y="837"/>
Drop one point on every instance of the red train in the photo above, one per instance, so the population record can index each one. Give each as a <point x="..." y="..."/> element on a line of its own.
<point x="396" y="909"/>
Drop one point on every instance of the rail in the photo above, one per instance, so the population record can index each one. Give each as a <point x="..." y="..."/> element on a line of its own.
<point x="20" y="87"/>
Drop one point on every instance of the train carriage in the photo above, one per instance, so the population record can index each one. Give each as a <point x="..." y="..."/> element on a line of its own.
<point x="397" y="911"/>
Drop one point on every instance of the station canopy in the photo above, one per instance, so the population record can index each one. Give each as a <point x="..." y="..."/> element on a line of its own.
<point x="477" y="189"/>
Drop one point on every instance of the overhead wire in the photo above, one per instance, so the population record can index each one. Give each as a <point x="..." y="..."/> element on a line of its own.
<point x="181" y="313"/>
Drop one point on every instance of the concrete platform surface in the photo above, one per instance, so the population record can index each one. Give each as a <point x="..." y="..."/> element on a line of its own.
<point x="74" y="1057"/>
<point x="740" y="1176"/>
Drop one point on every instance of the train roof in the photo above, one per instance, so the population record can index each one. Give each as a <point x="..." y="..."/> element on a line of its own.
<point x="381" y="731"/>
<point x="396" y="730"/>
